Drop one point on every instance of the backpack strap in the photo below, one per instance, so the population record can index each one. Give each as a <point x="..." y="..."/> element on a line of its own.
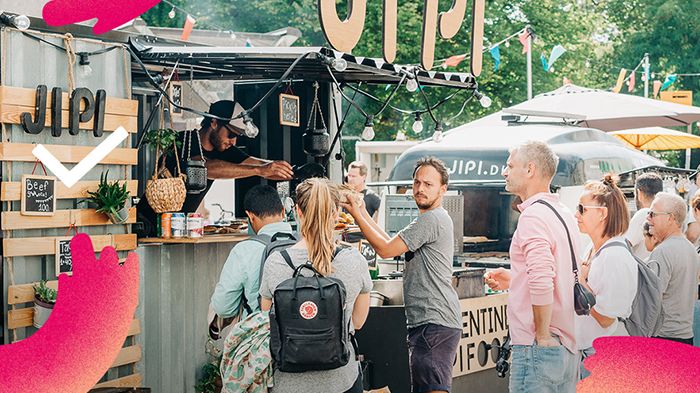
<point x="612" y="244"/>
<point x="262" y="238"/>
<point x="288" y="259"/>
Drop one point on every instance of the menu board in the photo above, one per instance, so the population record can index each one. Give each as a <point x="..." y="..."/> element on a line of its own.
<point x="289" y="110"/>
<point x="64" y="258"/>
<point x="38" y="195"/>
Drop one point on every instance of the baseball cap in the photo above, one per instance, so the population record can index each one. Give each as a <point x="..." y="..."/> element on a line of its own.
<point x="227" y="109"/>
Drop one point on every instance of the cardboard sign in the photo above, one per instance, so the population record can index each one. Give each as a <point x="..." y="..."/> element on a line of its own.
<point x="38" y="195"/>
<point x="289" y="110"/>
<point x="176" y="96"/>
<point x="64" y="259"/>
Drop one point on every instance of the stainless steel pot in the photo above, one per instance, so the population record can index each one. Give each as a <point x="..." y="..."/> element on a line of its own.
<point x="392" y="289"/>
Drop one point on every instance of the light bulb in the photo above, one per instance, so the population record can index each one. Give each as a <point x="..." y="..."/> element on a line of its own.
<point x="233" y="35"/>
<point x="418" y="124"/>
<point x="171" y="14"/>
<point x="507" y="44"/>
<point x="251" y="130"/>
<point x="437" y="135"/>
<point x="368" y="133"/>
<point x="85" y="71"/>
<point x="411" y="85"/>
<point x="339" y="65"/>
<point x="484" y="100"/>
<point x="21" y="22"/>
<point x="400" y="136"/>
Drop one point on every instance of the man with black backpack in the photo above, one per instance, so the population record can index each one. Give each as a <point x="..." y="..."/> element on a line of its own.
<point x="239" y="283"/>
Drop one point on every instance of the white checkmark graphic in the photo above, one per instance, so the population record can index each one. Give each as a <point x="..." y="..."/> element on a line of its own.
<point x="69" y="178"/>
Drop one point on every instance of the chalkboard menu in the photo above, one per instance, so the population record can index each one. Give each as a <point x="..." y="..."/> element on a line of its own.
<point x="64" y="259"/>
<point x="289" y="110"/>
<point x="38" y="195"/>
<point x="368" y="252"/>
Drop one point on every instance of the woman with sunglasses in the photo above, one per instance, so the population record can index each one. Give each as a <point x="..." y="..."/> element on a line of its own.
<point x="608" y="270"/>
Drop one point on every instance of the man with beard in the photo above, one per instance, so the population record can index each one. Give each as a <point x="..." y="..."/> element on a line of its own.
<point x="432" y="308"/>
<point x="215" y="141"/>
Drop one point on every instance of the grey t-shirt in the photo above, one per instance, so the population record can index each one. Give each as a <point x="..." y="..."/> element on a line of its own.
<point x="351" y="268"/>
<point x="427" y="280"/>
<point x="677" y="264"/>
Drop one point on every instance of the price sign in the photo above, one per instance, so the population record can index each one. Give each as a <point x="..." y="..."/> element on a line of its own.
<point x="289" y="110"/>
<point x="64" y="259"/>
<point x="38" y="195"/>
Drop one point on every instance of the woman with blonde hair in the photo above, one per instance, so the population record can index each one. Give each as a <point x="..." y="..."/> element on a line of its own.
<point x="609" y="270"/>
<point x="317" y="209"/>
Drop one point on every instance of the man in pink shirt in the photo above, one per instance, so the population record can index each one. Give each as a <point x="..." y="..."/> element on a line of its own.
<point x="540" y="281"/>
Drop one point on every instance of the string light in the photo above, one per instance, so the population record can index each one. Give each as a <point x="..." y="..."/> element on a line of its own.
<point x="171" y="14"/>
<point x="484" y="100"/>
<point x="437" y="134"/>
<point x="418" y="124"/>
<point x="251" y="130"/>
<point x="411" y="85"/>
<point x="368" y="132"/>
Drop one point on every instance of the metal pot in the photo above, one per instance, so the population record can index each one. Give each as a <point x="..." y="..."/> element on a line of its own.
<point x="376" y="299"/>
<point x="391" y="289"/>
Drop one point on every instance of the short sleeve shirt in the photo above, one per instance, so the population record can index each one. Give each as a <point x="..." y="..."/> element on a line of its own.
<point x="372" y="201"/>
<point x="427" y="281"/>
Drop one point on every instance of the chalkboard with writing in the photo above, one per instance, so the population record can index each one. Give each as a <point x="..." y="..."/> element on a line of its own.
<point x="64" y="259"/>
<point x="38" y="195"/>
<point x="368" y="252"/>
<point x="289" y="110"/>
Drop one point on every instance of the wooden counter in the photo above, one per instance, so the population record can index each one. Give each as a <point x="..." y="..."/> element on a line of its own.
<point x="199" y="240"/>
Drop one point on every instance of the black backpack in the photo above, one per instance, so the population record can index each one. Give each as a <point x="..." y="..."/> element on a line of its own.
<point x="307" y="328"/>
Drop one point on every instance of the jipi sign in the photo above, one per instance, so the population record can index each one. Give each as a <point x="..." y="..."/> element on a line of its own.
<point x="343" y="35"/>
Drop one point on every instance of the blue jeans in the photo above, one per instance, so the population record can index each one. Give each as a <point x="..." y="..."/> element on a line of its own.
<point x="536" y="369"/>
<point x="585" y="353"/>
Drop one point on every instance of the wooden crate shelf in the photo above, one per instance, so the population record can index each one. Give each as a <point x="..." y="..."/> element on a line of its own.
<point x="62" y="219"/>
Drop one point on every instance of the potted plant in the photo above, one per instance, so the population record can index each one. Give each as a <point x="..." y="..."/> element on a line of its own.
<point x="44" y="300"/>
<point x="110" y="198"/>
<point x="210" y="382"/>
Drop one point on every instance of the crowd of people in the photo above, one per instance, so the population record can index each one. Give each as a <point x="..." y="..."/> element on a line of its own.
<point x="550" y="341"/>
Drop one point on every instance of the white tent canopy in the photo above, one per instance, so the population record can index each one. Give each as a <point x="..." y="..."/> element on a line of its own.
<point x="605" y="110"/>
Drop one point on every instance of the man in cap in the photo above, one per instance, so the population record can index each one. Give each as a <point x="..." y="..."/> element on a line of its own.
<point x="222" y="158"/>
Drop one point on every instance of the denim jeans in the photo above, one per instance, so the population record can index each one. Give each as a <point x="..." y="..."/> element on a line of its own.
<point x="536" y="369"/>
<point x="585" y="353"/>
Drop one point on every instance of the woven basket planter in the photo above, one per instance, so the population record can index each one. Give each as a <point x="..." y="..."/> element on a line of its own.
<point x="166" y="195"/>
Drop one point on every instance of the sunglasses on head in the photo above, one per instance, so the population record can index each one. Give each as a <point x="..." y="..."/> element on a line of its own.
<point x="582" y="208"/>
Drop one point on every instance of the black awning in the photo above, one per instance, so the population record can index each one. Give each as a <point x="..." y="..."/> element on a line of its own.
<point x="269" y="63"/>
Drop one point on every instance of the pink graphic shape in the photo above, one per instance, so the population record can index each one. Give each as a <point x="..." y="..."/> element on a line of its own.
<point x="110" y="14"/>
<point x="639" y="364"/>
<point x="85" y="331"/>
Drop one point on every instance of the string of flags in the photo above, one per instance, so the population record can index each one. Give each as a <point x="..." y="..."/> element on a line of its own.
<point x="494" y="50"/>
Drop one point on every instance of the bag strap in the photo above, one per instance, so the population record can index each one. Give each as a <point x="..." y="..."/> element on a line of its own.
<point x="574" y="267"/>
<point x="288" y="259"/>
<point x="612" y="244"/>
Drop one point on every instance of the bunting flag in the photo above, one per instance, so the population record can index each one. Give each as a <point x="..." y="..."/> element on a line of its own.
<point x="454" y="60"/>
<point x="620" y="81"/>
<point x="566" y="81"/>
<point x="248" y="44"/>
<point x="545" y="65"/>
<point x="670" y="79"/>
<point x="187" y="28"/>
<point x="631" y="82"/>
<point x="496" y="54"/>
<point x="557" y="51"/>
<point x="657" y="88"/>
<point x="523" y="37"/>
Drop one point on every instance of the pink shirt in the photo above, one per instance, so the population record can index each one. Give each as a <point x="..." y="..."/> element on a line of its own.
<point x="540" y="266"/>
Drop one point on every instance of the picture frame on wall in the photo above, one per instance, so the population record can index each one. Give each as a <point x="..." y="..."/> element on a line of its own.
<point x="289" y="110"/>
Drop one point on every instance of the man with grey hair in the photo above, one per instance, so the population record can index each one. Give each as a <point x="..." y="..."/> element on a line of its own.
<point x="676" y="263"/>
<point x="541" y="301"/>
